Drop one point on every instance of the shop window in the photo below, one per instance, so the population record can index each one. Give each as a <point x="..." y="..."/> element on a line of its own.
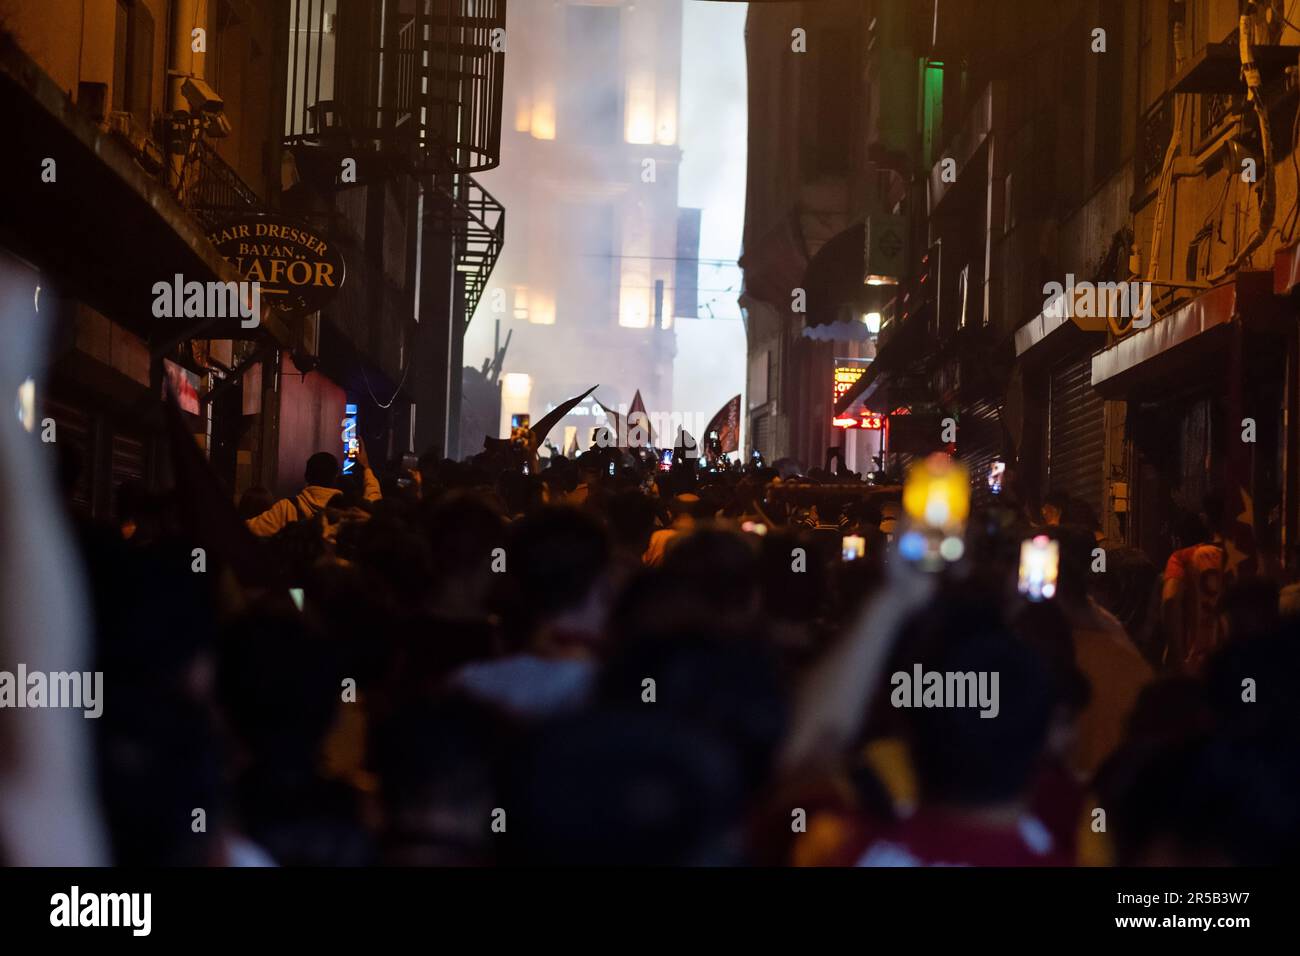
<point x="133" y="61"/>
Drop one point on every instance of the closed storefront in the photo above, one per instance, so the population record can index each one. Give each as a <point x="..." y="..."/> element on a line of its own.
<point x="1076" y="433"/>
<point x="979" y="443"/>
<point x="762" y="434"/>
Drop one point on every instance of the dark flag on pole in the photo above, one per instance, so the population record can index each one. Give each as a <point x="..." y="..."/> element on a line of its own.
<point x="638" y="421"/>
<point x="727" y="424"/>
<point x="614" y="421"/>
<point x="550" y="419"/>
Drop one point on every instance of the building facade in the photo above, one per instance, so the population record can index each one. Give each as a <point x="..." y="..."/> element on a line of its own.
<point x="148" y="127"/>
<point x="587" y="291"/>
<point x="813" y="182"/>
<point x="1083" y="145"/>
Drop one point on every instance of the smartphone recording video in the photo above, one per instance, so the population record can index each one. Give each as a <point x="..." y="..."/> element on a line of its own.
<point x="996" y="472"/>
<point x="853" y="547"/>
<point x="1040" y="559"/>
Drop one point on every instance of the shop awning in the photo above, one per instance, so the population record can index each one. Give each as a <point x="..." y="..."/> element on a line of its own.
<point x="1187" y="341"/>
<point x="896" y="355"/>
<point x="104" y="230"/>
<point x="834" y="279"/>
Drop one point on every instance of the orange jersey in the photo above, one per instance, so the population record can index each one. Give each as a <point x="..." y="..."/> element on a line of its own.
<point x="1200" y="568"/>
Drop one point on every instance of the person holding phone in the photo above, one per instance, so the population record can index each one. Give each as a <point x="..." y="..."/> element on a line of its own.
<point x="320" y="488"/>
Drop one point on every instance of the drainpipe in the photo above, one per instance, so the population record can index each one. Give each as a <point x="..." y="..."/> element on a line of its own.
<point x="183" y="61"/>
<point x="1266" y="206"/>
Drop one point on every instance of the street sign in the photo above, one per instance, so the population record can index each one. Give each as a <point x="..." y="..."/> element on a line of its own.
<point x="886" y="249"/>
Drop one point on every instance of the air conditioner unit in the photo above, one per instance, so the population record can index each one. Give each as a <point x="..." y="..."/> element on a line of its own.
<point x="147" y="153"/>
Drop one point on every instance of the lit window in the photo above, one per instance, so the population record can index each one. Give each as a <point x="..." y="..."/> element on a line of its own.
<point x="517" y="384"/>
<point x="640" y="119"/>
<point x="524" y="115"/>
<point x="542" y="120"/>
<point x="541" y="308"/>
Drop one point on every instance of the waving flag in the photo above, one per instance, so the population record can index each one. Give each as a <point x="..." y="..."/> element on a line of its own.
<point x="638" y="418"/>
<point x="615" y="420"/>
<point x="727" y="424"/>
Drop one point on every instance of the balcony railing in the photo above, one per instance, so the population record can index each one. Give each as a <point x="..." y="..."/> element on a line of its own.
<point x="415" y="81"/>
<point x="213" y="190"/>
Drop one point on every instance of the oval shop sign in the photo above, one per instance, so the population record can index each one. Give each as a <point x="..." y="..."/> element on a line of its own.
<point x="299" y="270"/>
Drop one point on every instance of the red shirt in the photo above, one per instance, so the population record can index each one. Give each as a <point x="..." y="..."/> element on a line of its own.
<point x="933" y="838"/>
<point x="1200" y="569"/>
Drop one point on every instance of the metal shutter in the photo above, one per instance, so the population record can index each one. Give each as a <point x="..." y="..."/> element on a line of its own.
<point x="762" y="440"/>
<point x="1076" y="433"/>
<point x="979" y="444"/>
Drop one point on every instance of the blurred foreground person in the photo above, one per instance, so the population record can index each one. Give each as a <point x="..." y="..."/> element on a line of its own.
<point x="1115" y="669"/>
<point x="626" y="788"/>
<point x="48" y="815"/>
<point x="976" y="774"/>
<point x="557" y="565"/>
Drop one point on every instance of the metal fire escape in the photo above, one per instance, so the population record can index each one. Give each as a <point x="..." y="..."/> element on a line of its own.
<point x="476" y="223"/>
<point x="404" y="87"/>
<point x="413" y="88"/>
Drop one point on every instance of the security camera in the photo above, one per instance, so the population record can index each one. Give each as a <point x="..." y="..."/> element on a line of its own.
<point x="201" y="97"/>
<point x="216" y="125"/>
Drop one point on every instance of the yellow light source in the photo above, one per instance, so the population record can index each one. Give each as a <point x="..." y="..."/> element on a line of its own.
<point x="639" y="125"/>
<point x="541" y="307"/>
<point x="523" y="115"/>
<point x="937" y="493"/>
<point x="872" y="319"/>
<point x="542" y="121"/>
<point x="634" y="299"/>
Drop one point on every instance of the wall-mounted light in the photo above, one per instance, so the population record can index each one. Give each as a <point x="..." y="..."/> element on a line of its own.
<point x="872" y="320"/>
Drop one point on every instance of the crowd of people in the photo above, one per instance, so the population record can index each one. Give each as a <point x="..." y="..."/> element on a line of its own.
<point x="514" y="660"/>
